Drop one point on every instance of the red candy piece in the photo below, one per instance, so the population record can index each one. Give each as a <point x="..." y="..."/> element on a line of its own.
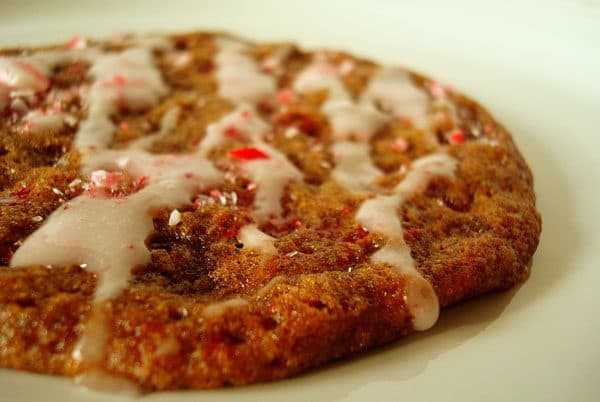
<point x="457" y="137"/>
<point x="231" y="132"/>
<point x="140" y="182"/>
<point x="248" y="154"/>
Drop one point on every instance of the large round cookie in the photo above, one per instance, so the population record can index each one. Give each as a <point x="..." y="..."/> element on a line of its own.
<point x="196" y="211"/>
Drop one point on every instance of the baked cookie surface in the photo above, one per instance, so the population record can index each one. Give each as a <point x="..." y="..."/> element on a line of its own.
<point x="194" y="211"/>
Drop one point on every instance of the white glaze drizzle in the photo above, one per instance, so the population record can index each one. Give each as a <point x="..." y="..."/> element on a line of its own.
<point x="168" y="122"/>
<point x="37" y="122"/>
<point x="17" y="74"/>
<point x="216" y="309"/>
<point x="395" y="91"/>
<point x="125" y="79"/>
<point x="238" y="74"/>
<point x="354" y="168"/>
<point x="380" y="214"/>
<point x="254" y="238"/>
<point x="100" y="381"/>
<point x="350" y="118"/>
<point x="345" y="116"/>
<point x="321" y="75"/>
<point x="271" y="175"/>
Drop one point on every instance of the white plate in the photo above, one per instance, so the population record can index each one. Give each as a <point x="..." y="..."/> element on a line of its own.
<point x="536" y="68"/>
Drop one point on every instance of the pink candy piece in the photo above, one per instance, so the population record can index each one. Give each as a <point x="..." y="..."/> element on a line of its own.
<point x="285" y="96"/>
<point x="400" y="145"/>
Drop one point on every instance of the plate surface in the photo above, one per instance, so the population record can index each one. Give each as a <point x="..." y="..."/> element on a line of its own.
<point x="536" y="69"/>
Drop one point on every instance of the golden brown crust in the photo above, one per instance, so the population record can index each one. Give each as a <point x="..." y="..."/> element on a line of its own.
<point x="317" y="300"/>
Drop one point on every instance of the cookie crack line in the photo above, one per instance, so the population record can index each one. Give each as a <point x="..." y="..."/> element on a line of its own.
<point x="271" y="98"/>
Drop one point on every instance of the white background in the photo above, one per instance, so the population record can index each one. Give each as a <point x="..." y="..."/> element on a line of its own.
<point x="536" y="66"/>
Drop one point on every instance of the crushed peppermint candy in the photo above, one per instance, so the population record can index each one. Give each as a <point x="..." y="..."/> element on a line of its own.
<point x="174" y="218"/>
<point x="104" y="179"/>
<point x="292" y="254"/>
<point x="249" y="153"/>
<point x="456" y="137"/>
<point x="77" y="42"/>
<point x="140" y="182"/>
<point x="291" y="132"/>
<point x="116" y="80"/>
<point x="215" y="193"/>
<point x="400" y="145"/>
<point x="285" y="96"/>
<point x="325" y="165"/>
<point x="70" y="120"/>
<point x="181" y="59"/>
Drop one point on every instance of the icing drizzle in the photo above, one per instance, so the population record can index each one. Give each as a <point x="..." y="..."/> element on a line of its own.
<point x="380" y="215"/>
<point x="239" y="76"/>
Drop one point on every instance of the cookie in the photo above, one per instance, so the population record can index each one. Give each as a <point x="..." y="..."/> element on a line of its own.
<point x="196" y="210"/>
